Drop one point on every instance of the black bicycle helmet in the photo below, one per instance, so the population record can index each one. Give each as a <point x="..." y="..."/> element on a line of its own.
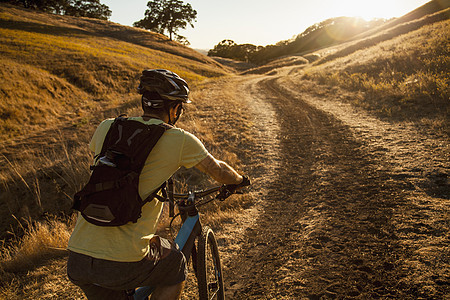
<point x="166" y="83"/>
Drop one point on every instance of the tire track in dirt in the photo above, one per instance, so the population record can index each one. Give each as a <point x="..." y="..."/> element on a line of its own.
<point x="265" y="130"/>
<point x="418" y="156"/>
<point x="327" y="226"/>
<point x="259" y="154"/>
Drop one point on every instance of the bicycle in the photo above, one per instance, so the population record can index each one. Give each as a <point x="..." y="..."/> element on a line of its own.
<point x="204" y="253"/>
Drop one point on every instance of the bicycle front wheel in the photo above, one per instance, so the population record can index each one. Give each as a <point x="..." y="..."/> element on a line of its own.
<point x="209" y="269"/>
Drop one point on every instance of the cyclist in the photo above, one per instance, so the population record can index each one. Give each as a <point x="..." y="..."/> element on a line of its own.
<point x="106" y="261"/>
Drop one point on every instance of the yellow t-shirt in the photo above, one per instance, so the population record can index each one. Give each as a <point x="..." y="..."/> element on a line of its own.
<point x="129" y="242"/>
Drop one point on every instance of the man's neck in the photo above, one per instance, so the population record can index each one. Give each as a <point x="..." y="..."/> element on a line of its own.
<point x="147" y="117"/>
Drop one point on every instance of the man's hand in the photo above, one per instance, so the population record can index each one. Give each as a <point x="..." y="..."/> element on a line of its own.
<point x="229" y="189"/>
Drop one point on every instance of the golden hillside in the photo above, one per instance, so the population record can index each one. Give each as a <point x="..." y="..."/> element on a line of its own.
<point x="52" y="66"/>
<point x="399" y="69"/>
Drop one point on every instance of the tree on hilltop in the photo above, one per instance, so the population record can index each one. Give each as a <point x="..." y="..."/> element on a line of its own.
<point x="52" y="6"/>
<point x="223" y="49"/>
<point x="168" y="15"/>
<point x="229" y="49"/>
<point x="88" y="8"/>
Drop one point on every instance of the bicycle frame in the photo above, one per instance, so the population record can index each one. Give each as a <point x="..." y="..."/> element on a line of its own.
<point x="190" y="229"/>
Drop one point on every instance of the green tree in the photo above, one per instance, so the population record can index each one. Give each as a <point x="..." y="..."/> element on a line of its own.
<point x="244" y="52"/>
<point x="78" y="8"/>
<point x="223" y="49"/>
<point x="168" y="15"/>
<point x="52" y="6"/>
<point x="88" y="8"/>
<point x="229" y="49"/>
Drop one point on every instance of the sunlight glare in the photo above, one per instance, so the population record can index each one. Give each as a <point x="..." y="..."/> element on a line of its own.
<point x="366" y="9"/>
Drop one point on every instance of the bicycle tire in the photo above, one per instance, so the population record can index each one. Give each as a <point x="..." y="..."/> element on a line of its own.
<point x="209" y="269"/>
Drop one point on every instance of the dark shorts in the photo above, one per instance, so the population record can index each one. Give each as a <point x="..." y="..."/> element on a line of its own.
<point x="165" y="265"/>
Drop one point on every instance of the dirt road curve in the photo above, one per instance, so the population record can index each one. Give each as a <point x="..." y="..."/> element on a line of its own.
<point x="348" y="206"/>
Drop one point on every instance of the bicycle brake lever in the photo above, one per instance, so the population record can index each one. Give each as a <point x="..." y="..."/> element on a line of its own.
<point x="223" y="194"/>
<point x="221" y="197"/>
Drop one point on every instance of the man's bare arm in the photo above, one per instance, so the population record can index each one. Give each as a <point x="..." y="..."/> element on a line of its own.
<point x="219" y="170"/>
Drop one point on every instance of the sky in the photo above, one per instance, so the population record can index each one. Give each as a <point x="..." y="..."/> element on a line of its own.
<point x="261" y="22"/>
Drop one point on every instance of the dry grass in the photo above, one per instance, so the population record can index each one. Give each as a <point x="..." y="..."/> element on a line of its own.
<point x="22" y="261"/>
<point x="70" y="162"/>
<point x="278" y="63"/>
<point x="41" y="178"/>
<point x="41" y="240"/>
<point x="53" y="67"/>
<point x="386" y="32"/>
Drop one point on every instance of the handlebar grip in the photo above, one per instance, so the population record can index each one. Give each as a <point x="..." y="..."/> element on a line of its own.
<point x="229" y="189"/>
<point x="245" y="181"/>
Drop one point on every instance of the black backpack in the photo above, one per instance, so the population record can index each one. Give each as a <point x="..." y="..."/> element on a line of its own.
<point x="111" y="197"/>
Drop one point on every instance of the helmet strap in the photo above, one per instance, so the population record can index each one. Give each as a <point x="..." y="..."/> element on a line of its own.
<point x="179" y="110"/>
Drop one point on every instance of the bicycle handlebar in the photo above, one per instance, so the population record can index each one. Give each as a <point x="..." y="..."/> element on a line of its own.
<point x="198" y="194"/>
<point x="225" y="191"/>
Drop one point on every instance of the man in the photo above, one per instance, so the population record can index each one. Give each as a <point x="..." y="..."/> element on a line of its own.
<point x="106" y="261"/>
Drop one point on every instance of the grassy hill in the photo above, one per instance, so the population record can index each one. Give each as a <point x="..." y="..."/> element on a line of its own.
<point x="52" y="67"/>
<point x="433" y="12"/>
<point x="400" y="69"/>
<point x="60" y="76"/>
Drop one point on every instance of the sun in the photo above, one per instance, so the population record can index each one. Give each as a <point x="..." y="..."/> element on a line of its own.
<point x="369" y="9"/>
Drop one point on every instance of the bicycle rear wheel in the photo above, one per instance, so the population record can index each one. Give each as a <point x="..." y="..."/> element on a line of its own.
<point x="209" y="269"/>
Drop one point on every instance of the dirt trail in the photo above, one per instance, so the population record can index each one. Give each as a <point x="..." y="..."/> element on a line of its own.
<point x="339" y="214"/>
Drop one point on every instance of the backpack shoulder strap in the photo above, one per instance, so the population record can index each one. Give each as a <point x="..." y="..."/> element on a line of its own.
<point x="105" y="141"/>
<point x="166" y="126"/>
<point x="163" y="187"/>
